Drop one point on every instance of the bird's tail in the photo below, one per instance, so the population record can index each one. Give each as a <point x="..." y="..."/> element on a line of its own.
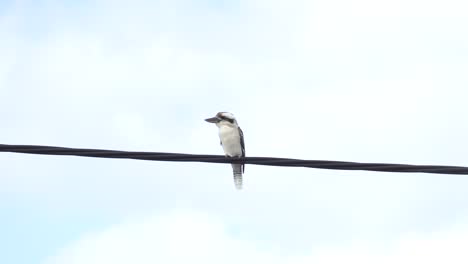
<point x="237" y="172"/>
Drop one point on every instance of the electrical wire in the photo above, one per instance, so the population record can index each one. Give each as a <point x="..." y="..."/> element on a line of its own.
<point x="268" y="161"/>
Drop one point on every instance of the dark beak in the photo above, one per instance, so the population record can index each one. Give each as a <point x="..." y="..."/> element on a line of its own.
<point x="212" y="120"/>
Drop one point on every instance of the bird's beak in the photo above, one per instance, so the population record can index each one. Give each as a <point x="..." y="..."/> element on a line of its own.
<point x="212" y="120"/>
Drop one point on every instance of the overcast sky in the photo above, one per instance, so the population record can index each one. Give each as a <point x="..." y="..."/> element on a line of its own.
<point x="352" y="80"/>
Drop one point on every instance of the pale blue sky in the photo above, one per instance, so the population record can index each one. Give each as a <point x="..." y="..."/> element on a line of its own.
<point x="352" y="80"/>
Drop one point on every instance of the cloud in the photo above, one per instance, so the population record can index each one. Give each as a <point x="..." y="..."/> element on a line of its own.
<point x="175" y="238"/>
<point x="190" y="236"/>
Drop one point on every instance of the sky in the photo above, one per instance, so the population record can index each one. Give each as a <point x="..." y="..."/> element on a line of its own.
<point x="350" y="80"/>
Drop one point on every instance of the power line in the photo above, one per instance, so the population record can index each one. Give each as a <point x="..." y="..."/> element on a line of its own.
<point x="268" y="161"/>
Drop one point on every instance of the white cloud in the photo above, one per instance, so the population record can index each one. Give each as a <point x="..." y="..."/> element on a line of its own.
<point x="182" y="237"/>
<point x="176" y="238"/>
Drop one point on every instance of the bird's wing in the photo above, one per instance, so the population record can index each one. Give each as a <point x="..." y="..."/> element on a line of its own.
<point x="241" y="134"/>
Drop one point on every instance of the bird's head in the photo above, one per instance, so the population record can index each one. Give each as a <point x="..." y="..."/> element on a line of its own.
<point x="222" y="118"/>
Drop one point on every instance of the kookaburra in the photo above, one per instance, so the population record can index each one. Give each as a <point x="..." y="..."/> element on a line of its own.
<point x="232" y="141"/>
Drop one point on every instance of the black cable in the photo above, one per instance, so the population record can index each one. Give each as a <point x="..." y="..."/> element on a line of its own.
<point x="268" y="161"/>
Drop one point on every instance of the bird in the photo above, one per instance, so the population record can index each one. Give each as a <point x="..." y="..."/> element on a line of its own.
<point x="232" y="140"/>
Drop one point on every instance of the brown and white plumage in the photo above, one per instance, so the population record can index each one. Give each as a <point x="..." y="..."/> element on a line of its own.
<point x="232" y="140"/>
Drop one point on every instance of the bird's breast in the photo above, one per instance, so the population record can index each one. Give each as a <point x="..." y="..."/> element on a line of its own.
<point x="230" y="140"/>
